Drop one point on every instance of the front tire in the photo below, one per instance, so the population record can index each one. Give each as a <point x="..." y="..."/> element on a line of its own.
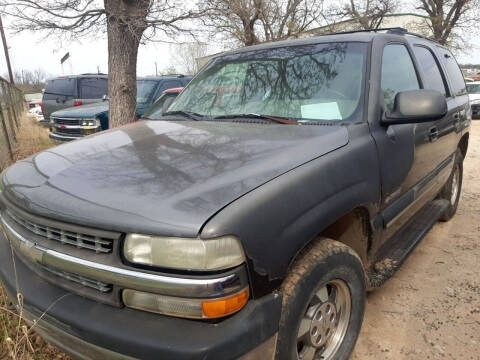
<point x="452" y="189"/>
<point x="323" y="303"/>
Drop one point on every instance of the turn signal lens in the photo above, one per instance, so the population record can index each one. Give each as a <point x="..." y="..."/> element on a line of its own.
<point x="226" y="306"/>
<point x="183" y="307"/>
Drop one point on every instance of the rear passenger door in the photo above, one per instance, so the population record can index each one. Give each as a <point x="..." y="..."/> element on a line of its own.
<point x="441" y="133"/>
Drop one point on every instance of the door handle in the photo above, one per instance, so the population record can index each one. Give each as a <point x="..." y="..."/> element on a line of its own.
<point x="433" y="134"/>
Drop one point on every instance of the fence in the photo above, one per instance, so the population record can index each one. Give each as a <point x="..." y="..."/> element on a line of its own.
<point x="11" y="108"/>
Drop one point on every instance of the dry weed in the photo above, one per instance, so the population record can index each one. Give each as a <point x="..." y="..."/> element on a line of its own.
<point x="18" y="340"/>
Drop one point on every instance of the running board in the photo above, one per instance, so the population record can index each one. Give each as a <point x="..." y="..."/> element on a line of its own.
<point x="394" y="253"/>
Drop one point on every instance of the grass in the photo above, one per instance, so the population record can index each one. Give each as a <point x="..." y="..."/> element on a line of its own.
<point x="18" y="340"/>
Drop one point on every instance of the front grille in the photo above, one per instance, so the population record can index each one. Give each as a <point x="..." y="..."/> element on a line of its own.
<point x="77" y="239"/>
<point x="69" y="131"/>
<point x="94" y="284"/>
<point x="64" y="121"/>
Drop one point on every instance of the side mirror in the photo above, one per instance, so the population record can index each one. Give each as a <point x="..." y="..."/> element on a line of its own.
<point x="416" y="106"/>
<point x="105" y="97"/>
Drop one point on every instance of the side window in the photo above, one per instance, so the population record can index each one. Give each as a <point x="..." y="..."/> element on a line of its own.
<point x="93" y="88"/>
<point x="433" y="76"/>
<point x="169" y="84"/>
<point x="59" y="87"/>
<point x="453" y="72"/>
<point x="398" y="73"/>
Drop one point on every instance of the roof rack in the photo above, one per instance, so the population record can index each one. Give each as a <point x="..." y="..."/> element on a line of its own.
<point x="390" y="30"/>
<point x="93" y="73"/>
<point x="177" y="75"/>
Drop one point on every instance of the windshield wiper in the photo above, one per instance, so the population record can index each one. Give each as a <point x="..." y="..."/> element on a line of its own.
<point x="281" y="120"/>
<point x="187" y="114"/>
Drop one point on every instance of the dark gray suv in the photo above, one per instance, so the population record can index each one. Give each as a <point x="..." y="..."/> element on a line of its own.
<point x="73" y="90"/>
<point x="249" y="220"/>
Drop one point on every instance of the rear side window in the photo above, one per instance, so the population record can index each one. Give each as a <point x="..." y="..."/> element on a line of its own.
<point x="398" y="73"/>
<point x="93" y="88"/>
<point x="454" y="73"/>
<point x="60" y="87"/>
<point x="170" y="84"/>
<point x="433" y="77"/>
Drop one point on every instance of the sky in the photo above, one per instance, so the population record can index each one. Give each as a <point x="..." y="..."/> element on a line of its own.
<point x="31" y="51"/>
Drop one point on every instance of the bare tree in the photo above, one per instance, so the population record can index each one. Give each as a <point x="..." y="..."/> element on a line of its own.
<point x="127" y="23"/>
<point x="30" y="81"/>
<point x="367" y="14"/>
<point x="449" y="18"/>
<point x="250" y="22"/>
<point x="186" y="55"/>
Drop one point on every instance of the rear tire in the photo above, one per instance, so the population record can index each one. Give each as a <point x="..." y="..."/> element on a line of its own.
<point x="323" y="303"/>
<point x="452" y="189"/>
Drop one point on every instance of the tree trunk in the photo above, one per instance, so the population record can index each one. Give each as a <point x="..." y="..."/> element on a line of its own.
<point x="126" y="22"/>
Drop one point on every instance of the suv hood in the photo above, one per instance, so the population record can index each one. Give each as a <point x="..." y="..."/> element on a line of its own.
<point x="83" y="111"/>
<point x="158" y="177"/>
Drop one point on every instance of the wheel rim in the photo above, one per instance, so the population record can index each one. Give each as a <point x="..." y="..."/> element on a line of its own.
<point x="455" y="185"/>
<point x="325" y="322"/>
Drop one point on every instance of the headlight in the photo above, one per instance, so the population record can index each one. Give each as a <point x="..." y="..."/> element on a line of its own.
<point x="185" y="254"/>
<point x="91" y="122"/>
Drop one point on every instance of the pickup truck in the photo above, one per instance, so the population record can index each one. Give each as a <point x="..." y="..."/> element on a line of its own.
<point x="250" y="219"/>
<point x="473" y="89"/>
<point x="76" y="122"/>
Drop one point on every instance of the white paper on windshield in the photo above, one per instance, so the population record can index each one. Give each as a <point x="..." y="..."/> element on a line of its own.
<point x="324" y="111"/>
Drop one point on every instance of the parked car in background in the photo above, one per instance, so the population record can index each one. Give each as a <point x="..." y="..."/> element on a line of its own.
<point x="75" y="122"/>
<point x="161" y="105"/>
<point x="473" y="89"/>
<point x="251" y="218"/>
<point x="75" y="90"/>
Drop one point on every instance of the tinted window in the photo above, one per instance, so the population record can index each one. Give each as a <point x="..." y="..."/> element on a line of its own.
<point x="160" y="106"/>
<point x="453" y="71"/>
<point x="93" y="88"/>
<point x="169" y="84"/>
<point x="473" y="88"/>
<point x="433" y="79"/>
<point x="398" y="73"/>
<point x="59" y="87"/>
<point x="145" y="90"/>
<point x="310" y="83"/>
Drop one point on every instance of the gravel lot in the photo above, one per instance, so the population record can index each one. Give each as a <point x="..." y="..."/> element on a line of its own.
<point x="430" y="309"/>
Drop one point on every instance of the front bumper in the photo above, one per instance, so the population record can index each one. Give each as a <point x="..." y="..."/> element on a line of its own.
<point x="88" y="329"/>
<point x="59" y="137"/>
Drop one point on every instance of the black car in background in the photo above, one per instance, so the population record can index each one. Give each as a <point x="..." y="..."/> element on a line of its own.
<point x="73" y="90"/>
<point x="76" y="122"/>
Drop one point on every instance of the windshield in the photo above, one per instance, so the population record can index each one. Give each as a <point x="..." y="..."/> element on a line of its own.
<point x="322" y="82"/>
<point x="473" y="88"/>
<point x="145" y="90"/>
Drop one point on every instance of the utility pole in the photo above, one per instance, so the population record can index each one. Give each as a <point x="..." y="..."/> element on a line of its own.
<point x="156" y="69"/>
<point x="4" y="40"/>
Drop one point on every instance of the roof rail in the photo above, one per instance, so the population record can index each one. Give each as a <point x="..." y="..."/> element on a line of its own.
<point x="390" y="30"/>
<point x="93" y="73"/>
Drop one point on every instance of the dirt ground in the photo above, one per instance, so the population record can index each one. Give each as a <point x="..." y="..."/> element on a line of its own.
<point x="430" y="309"/>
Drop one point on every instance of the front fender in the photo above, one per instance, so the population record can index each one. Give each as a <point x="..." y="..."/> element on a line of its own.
<point x="279" y="218"/>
